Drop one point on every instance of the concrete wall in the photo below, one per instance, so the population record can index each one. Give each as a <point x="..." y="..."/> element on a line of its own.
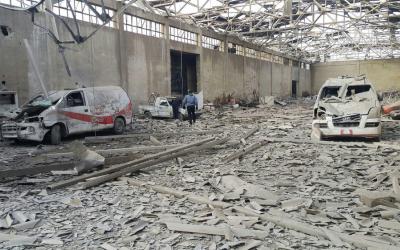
<point x="384" y="74"/>
<point x="92" y="63"/>
<point x="138" y="63"/>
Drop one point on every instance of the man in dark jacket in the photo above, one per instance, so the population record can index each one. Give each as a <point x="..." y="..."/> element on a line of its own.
<point x="176" y="103"/>
<point x="190" y="102"/>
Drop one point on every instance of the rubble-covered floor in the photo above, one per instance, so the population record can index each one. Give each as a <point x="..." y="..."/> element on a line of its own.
<point x="316" y="184"/>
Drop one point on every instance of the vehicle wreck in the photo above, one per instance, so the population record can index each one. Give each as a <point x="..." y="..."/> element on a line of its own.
<point x="347" y="107"/>
<point x="161" y="107"/>
<point x="67" y="112"/>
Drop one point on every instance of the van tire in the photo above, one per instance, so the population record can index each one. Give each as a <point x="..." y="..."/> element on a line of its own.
<point x="119" y="126"/>
<point x="148" y="115"/>
<point x="55" y="134"/>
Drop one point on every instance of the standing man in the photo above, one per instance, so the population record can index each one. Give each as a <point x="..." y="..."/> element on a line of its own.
<point x="175" y="107"/>
<point x="190" y="102"/>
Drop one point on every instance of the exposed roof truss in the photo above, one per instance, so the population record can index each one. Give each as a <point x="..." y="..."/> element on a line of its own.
<point x="308" y="29"/>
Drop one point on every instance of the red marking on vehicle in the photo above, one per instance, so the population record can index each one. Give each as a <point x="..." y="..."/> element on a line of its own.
<point x="351" y="131"/>
<point x="342" y="132"/>
<point x="88" y="118"/>
<point x="105" y="120"/>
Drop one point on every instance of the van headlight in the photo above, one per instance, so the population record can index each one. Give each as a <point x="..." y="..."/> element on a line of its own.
<point x="31" y="129"/>
<point x="374" y="113"/>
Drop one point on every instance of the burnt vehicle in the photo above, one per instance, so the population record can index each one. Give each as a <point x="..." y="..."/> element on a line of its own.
<point x="67" y="112"/>
<point x="347" y="107"/>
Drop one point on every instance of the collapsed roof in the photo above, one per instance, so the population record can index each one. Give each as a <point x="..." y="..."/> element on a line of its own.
<point x="307" y="29"/>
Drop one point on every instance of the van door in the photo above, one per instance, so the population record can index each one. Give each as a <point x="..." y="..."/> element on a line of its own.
<point x="164" y="109"/>
<point x="76" y="111"/>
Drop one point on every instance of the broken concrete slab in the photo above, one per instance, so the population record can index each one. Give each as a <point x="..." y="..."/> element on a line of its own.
<point x="26" y="225"/>
<point x="216" y="230"/>
<point x="375" y="198"/>
<point x="234" y="183"/>
<point x="86" y="159"/>
<point x="53" y="241"/>
<point x="295" y="204"/>
<point x="13" y="240"/>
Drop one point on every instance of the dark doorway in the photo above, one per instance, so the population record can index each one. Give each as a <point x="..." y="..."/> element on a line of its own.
<point x="183" y="73"/>
<point x="294" y="88"/>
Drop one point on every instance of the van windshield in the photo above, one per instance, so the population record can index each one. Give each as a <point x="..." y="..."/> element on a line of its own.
<point x="41" y="99"/>
<point x="347" y="93"/>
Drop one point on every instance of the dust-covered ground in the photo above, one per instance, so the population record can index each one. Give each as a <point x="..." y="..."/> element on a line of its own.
<point x="310" y="183"/>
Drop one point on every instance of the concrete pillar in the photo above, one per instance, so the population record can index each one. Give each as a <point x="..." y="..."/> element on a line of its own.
<point x="122" y="51"/>
<point x="199" y="68"/>
<point x="168" y="56"/>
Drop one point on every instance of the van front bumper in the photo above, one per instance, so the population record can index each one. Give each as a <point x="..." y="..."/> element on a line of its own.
<point x="24" y="131"/>
<point x="365" y="128"/>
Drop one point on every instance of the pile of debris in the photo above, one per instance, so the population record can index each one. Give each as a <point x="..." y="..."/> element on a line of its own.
<point x="238" y="179"/>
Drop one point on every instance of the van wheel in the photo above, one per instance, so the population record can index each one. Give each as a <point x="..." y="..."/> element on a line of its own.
<point x="148" y="115"/>
<point x="55" y="135"/>
<point x="376" y="139"/>
<point x="119" y="126"/>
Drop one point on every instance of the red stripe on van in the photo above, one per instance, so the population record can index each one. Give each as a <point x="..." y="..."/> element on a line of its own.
<point x="89" y="118"/>
<point x="98" y="119"/>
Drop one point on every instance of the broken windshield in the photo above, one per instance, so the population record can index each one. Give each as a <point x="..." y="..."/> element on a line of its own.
<point x="330" y="93"/>
<point x="346" y="93"/>
<point x="41" y="99"/>
<point x="357" y="89"/>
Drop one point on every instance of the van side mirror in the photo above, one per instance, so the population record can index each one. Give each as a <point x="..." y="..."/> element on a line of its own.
<point x="380" y="97"/>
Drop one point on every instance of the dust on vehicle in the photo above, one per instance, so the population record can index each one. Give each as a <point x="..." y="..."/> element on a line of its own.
<point x="347" y="107"/>
<point x="66" y="112"/>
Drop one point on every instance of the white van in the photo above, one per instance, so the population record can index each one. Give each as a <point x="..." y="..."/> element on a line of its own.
<point x="69" y="112"/>
<point x="347" y="107"/>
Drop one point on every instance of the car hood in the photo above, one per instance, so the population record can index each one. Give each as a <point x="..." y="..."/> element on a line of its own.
<point x="347" y="108"/>
<point x="30" y="111"/>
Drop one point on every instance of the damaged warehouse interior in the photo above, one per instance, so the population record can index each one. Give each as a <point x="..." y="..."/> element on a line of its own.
<point x="199" y="124"/>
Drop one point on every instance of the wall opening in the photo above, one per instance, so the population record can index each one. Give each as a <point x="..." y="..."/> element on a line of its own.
<point x="294" y="88"/>
<point x="183" y="73"/>
<point x="5" y="30"/>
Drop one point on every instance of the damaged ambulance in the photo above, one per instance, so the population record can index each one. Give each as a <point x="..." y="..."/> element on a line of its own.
<point x="347" y="107"/>
<point x="67" y="112"/>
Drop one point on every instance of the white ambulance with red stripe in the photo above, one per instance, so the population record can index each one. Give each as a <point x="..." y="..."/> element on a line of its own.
<point x="67" y="112"/>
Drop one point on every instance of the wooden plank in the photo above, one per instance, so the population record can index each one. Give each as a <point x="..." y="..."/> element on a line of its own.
<point x="250" y="133"/>
<point x="119" y="167"/>
<point x="151" y="162"/>
<point x="111" y="151"/>
<point x="242" y="152"/>
<point x="146" y="136"/>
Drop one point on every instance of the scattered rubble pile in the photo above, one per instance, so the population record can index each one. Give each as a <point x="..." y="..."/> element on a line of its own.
<point x="239" y="179"/>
